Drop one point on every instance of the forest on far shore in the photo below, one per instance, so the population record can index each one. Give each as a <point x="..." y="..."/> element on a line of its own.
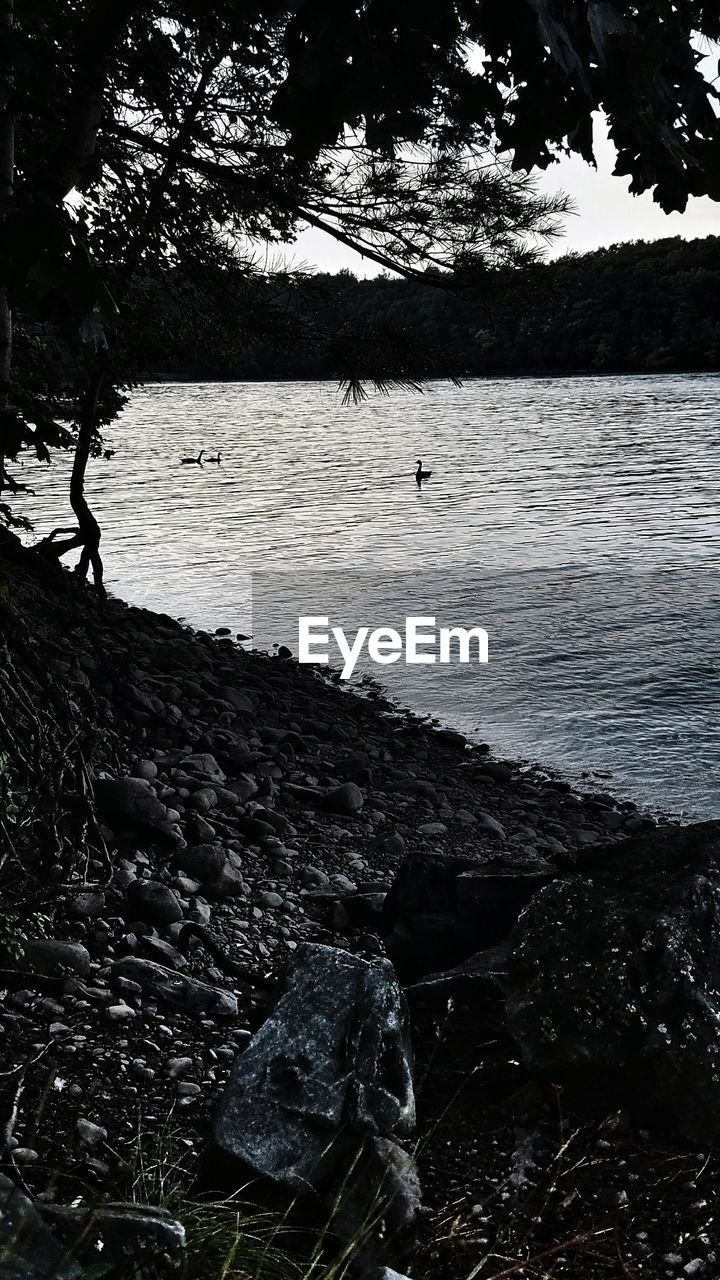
<point x="634" y="307"/>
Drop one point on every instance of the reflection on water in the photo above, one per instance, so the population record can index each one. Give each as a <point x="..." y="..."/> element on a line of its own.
<point x="535" y="482"/>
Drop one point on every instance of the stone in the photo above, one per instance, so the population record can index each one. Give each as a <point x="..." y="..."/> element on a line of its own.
<point x="270" y="899"/>
<point x="346" y="799"/>
<point x="314" y="878"/>
<point x="130" y="1241"/>
<point x="87" y="906"/>
<point x="433" y="829"/>
<point x="153" y="902"/>
<point x="176" y="989"/>
<point x="332" y="1061"/>
<point x="91" y="1135"/>
<point x="147" y="769"/>
<point x="393" y="844"/>
<point x="486" y="822"/>
<point x="238" y="700"/>
<point x="615" y="978"/>
<point x="228" y="883"/>
<point x="200" y="829"/>
<point x="203" y="764"/>
<point x="443" y="908"/>
<point x="254" y="829"/>
<point x="413" y="787"/>
<point x="179" y="1067"/>
<point x="28" y="1248"/>
<point x="355" y="768"/>
<point x="479" y="979"/>
<point x="201" y="860"/>
<point x="119" y="1012"/>
<point x="244" y="787"/>
<point x="467" y="818"/>
<point x="50" y="955"/>
<point x="130" y="801"/>
<point x="203" y="800"/>
<point x="384" y="1185"/>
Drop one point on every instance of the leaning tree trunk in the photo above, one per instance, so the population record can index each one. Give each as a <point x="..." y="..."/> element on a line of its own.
<point x="7" y="178"/>
<point x="88" y="526"/>
<point x="87" y="534"/>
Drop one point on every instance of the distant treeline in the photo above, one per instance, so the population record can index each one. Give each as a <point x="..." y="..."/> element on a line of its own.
<point x="637" y="307"/>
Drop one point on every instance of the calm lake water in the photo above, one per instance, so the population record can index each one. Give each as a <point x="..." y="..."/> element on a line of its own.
<point x="576" y="519"/>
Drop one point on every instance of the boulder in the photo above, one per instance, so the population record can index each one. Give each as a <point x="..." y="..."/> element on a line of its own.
<point x="129" y="1241"/>
<point x="176" y="989"/>
<point x="329" y="1067"/>
<point x="444" y="908"/>
<point x="615" y="978"/>
<point x="28" y="1248"/>
<point x="50" y="955"/>
<point x="131" y="802"/>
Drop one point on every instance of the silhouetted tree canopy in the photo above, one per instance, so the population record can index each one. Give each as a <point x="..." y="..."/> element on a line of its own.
<point x="142" y="141"/>
<point x="638" y="307"/>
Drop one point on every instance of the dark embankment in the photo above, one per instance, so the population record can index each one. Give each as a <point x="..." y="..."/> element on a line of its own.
<point x="180" y="817"/>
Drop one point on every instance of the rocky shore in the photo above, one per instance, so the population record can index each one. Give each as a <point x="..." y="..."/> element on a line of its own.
<point x="199" y="842"/>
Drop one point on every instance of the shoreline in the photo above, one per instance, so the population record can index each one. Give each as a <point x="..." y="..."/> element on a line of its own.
<point x="271" y="809"/>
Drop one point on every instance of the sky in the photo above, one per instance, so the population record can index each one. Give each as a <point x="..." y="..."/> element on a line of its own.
<point x="605" y="213"/>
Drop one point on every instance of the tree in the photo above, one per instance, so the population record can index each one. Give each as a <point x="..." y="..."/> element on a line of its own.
<point x="157" y="139"/>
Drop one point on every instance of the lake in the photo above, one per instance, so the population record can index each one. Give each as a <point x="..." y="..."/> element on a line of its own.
<point x="577" y="519"/>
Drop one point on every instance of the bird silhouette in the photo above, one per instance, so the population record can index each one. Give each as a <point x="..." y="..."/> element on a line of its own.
<point x="421" y="475"/>
<point x="194" y="461"/>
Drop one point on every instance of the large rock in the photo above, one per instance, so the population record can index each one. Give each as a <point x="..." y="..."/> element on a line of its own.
<point x="615" y="977"/>
<point x="42" y="1241"/>
<point x="28" y="1248"/>
<point x="444" y="908"/>
<point x="330" y="1066"/>
<point x="130" y="802"/>
<point x="53" y="956"/>
<point x="177" y="989"/>
<point x="130" y="1241"/>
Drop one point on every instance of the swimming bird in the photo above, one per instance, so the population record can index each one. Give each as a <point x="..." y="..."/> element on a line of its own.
<point x="109" y="453"/>
<point x="197" y="460"/>
<point x="421" y="475"/>
<point x="216" y="457"/>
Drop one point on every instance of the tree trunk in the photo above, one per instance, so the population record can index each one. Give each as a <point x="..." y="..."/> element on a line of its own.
<point x="7" y="178"/>
<point x="88" y="533"/>
<point x="88" y="527"/>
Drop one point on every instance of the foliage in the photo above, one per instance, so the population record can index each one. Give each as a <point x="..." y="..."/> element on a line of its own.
<point x="15" y="929"/>
<point x="162" y="140"/>
<point x="640" y="307"/>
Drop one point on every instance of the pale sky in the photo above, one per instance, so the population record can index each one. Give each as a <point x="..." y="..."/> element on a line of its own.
<point x="605" y="214"/>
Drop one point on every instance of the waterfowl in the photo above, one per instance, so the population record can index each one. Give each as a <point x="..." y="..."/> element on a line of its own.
<point x="194" y="461"/>
<point x="421" y="475"/>
<point x="108" y="453"/>
<point x="214" y="457"/>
